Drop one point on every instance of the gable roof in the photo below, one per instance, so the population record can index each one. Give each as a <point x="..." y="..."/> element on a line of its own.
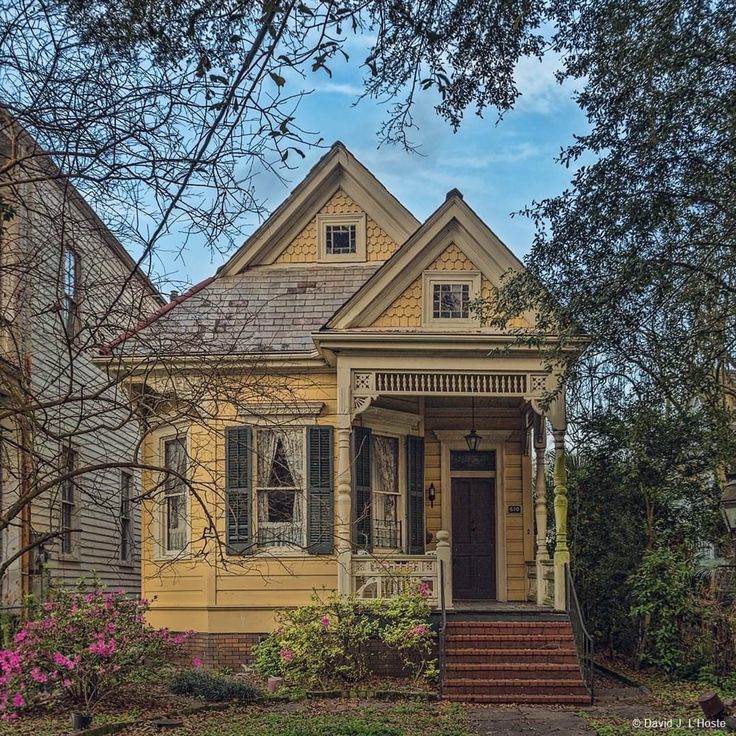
<point x="267" y="310"/>
<point x="337" y="169"/>
<point x="453" y="222"/>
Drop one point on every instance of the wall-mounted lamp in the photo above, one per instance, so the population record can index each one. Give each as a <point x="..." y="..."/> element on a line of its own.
<point x="431" y="494"/>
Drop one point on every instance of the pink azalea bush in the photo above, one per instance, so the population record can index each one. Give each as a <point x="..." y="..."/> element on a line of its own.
<point x="80" y="645"/>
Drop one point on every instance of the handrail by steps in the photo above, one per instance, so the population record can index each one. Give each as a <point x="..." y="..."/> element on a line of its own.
<point x="583" y="640"/>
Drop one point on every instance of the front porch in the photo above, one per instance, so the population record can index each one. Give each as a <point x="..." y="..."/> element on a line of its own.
<point x="482" y="513"/>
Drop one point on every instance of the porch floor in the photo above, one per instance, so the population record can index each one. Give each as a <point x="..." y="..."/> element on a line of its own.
<point x="489" y="610"/>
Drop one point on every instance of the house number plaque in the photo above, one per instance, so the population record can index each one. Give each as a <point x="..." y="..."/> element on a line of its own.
<point x="514" y="509"/>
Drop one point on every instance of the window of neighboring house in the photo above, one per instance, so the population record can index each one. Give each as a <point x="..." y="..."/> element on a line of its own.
<point x="126" y="527"/>
<point x="280" y="492"/>
<point x="447" y="296"/>
<point x="341" y="237"/>
<point x="68" y="500"/>
<point x="386" y="520"/>
<point x="175" y="495"/>
<point x="70" y="289"/>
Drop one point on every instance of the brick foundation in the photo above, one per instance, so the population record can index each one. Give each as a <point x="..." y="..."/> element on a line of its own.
<point x="221" y="650"/>
<point x="234" y="650"/>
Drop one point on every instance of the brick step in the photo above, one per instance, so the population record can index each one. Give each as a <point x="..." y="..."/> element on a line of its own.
<point x="511" y="671"/>
<point x="510" y="627"/>
<point x="499" y="641"/>
<point x="513" y="687"/>
<point x="518" y="698"/>
<point x="521" y="656"/>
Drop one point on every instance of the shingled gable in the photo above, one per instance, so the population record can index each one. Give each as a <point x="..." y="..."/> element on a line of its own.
<point x="337" y="169"/>
<point x="454" y="222"/>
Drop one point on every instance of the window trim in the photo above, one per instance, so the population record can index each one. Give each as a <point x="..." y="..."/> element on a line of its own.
<point x="401" y="487"/>
<point x="73" y="536"/>
<point x="71" y="317"/>
<point x="163" y="552"/>
<point x="432" y="278"/>
<point x="256" y="490"/>
<point x="356" y="218"/>
<point x="127" y="533"/>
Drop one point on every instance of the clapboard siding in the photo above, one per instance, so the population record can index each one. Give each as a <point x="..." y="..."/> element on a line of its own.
<point x="101" y="431"/>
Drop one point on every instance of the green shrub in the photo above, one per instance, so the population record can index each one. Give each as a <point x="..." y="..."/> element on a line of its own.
<point x="664" y="602"/>
<point x="330" y="640"/>
<point x="212" y="686"/>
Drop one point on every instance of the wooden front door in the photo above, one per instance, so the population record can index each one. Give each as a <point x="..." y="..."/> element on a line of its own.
<point x="473" y="538"/>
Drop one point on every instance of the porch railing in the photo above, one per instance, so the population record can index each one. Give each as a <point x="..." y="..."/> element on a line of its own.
<point x="378" y="576"/>
<point x="583" y="640"/>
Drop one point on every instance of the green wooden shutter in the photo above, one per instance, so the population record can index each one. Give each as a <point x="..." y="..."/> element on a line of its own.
<point x="415" y="494"/>
<point x="320" y="491"/>
<point x="238" y="482"/>
<point x="362" y="488"/>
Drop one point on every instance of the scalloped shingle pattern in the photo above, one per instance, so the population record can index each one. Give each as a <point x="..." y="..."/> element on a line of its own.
<point x="406" y="311"/>
<point x="303" y="249"/>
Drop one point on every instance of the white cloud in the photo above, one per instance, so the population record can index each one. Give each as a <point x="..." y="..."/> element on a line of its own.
<point x="339" y="88"/>
<point x="540" y="90"/>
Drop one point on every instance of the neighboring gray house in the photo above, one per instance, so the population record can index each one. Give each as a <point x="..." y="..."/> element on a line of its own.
<point x="68" y="441"/>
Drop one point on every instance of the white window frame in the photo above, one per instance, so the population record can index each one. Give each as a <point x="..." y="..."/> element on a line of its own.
<point x="70" y="300"/>
<point x="359" y="220"/>
<point x="69" y="502"/>
<point x="288" y="549"/>
<point x="127" y="531"/>
<point x="401" y="485"/>
<point x="432" y="278"/>
<point x="163" y="550"/>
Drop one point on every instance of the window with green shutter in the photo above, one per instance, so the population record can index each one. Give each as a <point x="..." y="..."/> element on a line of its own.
<point x="320" y="491"/>
<point x="362" y="488"/>
<point x="238" y="481"/>
<point x="415" y="494"/>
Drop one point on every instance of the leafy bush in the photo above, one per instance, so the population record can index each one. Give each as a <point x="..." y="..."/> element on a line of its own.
<point x="81" y="645"/>
<point x="331" y="639"/>
<point x="212" y="686"/>
<point x="664" y="603"/>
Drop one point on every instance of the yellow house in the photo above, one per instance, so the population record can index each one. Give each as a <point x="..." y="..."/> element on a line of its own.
<point x="330" y="415"/>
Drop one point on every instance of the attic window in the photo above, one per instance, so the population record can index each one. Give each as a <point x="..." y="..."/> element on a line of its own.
<point x="447" y="296"/>
<point x="341" y="237"/>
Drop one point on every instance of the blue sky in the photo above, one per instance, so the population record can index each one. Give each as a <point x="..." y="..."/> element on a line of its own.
<point x="499" y="167"/>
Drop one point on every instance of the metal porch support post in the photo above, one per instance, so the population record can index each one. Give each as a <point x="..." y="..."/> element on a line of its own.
<point x="540" y="505"/>
<point x="562" y="553"/>
<point x="344" y="498"/>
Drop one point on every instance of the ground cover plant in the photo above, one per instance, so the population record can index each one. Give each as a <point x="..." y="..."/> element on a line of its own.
<point x="328" y="718"/>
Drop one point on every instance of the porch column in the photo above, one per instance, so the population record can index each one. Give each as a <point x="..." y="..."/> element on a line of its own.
<point x="344" y="511"/>
<point x="562" y="553"/>
<point x="444" y="556"/>
<point x="540" y="505"/>
<point x="344" y="498"/>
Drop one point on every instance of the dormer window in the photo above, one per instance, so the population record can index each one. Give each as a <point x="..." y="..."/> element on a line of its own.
<point x="341" y="237"/>
<point x="447" y="296"/>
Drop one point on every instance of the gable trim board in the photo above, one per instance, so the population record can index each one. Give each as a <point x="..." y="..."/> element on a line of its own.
<point x="452" y="223"/>
<point x="337" y="169"/>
